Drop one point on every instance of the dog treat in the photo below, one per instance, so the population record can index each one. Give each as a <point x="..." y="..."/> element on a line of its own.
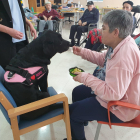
<point x="76" y="70"/>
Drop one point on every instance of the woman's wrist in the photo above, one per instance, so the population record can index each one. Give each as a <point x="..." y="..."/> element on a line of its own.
<point x="28" y="22"/>
<point x="4" y="29"/>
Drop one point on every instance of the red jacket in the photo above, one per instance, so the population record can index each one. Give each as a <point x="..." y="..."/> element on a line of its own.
<point x="52" y="13"/>
<point x="95" y="36"/>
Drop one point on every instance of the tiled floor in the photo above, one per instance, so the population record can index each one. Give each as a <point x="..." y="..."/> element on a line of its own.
<point x="60" y="79"/>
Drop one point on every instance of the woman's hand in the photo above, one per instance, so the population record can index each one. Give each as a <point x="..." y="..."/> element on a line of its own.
<point x="76" y="50"/>
<point x="50" y="18"/>
<point x="33" y="31"/>
<point x="78" y="77"/>
<point x="45" y="18"/>
<point x="15" y="34"/>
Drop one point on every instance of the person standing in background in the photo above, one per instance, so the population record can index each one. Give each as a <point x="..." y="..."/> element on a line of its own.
<point x="12" y="30"/>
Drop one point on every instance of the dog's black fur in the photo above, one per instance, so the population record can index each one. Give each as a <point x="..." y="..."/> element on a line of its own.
<point x="37" y="53"/>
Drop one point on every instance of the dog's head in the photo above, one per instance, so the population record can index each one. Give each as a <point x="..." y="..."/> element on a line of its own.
<point x="54" y="43"/>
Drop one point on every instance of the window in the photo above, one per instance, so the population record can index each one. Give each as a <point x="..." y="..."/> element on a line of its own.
<point x="38" y="3"/>
<point x="43" y="2"/>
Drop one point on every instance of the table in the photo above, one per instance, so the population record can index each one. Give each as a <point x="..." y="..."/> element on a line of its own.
<point x="75" y="12"/>
<point x="110" y="8"/>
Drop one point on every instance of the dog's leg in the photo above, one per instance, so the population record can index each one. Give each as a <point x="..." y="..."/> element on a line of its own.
<point x="43" y="84"/>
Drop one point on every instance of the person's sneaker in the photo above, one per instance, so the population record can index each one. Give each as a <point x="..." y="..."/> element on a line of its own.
<point x="72" y="44"/>
<point x="86" y="123"/>
<point x="77" y="45"/>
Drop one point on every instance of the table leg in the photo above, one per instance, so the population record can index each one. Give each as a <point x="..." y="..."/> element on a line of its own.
<point x="98" y="23"/>
<point x="78" y="15"/>
<point x="103" y="13"/>
<point x="61" y="24"/>
<point x="74" y="17"/>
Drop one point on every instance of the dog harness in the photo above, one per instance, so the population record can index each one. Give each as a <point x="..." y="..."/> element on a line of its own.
<point x="25" y="76"/>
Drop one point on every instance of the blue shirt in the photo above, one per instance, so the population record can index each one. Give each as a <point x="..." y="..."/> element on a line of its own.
<point x="49" y="11"/>
<point x="100" y="72"/>
<point x="17" y="19"/>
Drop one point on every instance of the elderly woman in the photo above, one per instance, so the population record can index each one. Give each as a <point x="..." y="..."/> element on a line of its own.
<point x="118" y="79"/>
<point x="48" y="15"/>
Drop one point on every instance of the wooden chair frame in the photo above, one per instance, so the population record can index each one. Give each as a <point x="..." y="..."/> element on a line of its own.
<point x="14" y="112"/>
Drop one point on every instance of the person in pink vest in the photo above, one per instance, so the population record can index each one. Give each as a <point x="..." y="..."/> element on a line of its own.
<point x="118" y="78"/>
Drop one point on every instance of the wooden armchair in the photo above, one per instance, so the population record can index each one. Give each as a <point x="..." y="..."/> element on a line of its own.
<point x="19" y="127"/>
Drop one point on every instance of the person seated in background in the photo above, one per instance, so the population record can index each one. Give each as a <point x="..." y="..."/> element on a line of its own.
<point x="91" y="15"/>
<point x="128" y="6"/>
<point x="48" y="15"/>
<point x="117" y="80"/>
<point x="94" y="39"/>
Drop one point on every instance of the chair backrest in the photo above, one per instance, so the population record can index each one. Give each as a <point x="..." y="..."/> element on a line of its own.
<point x="134" y="24"/>
<point x="136" y="9"/>
<point x="7" y="95"/>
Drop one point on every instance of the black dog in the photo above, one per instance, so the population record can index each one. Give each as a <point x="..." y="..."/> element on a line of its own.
<point x="37" y="53"/>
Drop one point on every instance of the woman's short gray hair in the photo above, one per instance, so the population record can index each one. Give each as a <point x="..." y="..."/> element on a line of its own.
<point x="121" y="20"/>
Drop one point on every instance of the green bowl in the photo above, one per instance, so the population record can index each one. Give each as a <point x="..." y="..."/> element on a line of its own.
<point x="72" y="69"/>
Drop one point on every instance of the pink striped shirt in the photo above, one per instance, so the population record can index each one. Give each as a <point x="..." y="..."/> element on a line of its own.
<point x="122" y="81"/>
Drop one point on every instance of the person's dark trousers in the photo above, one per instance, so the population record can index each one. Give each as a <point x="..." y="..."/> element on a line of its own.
<point x="79" y="30"/>
<point x="85" y="107"/>
<point x="10" y="52"/>
<point x="39" y="33"/>
<point x="19" y="45"/>
<point x="88" y="44"/>
<point x="91" y="46"/>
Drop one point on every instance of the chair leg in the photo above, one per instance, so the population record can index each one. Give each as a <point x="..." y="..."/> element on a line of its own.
<point x="97" y="131"/>
<point x="67" y="120"/>
<point x="15" y="129"/>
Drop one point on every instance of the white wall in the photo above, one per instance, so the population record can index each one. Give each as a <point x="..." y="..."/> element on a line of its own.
<point x="110" y="3"/>
<point x="25" y="3"/>
<point x="105" y="3"/>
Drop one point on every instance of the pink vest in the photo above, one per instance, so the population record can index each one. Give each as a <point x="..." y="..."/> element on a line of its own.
<point x="36" y="73"/>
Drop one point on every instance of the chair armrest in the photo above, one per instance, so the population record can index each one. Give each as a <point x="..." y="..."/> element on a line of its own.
<point x="38" y="20"/>
<point x="37" y="105"/>
<point x="120" y="103"/>
<point x="92" y="26"/>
